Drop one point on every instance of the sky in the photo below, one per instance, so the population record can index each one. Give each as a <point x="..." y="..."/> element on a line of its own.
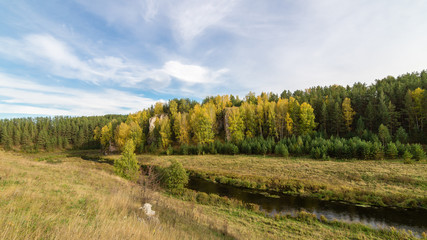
<point x="64" y="57"/>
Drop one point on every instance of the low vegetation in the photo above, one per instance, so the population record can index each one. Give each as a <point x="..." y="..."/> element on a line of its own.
<point x="58" y="195"/>
<point x="382" y="183"/>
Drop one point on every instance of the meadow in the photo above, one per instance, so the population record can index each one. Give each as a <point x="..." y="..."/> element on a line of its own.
<point x="370" y="182"/>
<point x="61" y="196"/>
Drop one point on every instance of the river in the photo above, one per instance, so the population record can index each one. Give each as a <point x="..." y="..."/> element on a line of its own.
<point x="377" y="217"/>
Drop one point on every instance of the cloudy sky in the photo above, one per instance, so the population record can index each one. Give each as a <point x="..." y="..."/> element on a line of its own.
<point x="97" y="57"/>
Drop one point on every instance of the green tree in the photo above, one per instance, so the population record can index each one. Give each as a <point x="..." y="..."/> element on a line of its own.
<point x="401" y="135"/>
<point x="382" y="113"/>
<point x="324" y="117"/>
<point x="127" y="166"/>
<point x="336" y="119"/>
<point x="360" y="127"/>
<point x="384" y="134"/>
<point x="370" y="116"/>
<point x="175" y="177"/>
<point x="393" y="122"/>
<point x="392" y="150"/>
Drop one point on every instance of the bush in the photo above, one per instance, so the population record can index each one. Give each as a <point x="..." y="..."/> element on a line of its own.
<point x="183" y="149"/>
<point x="418" y="152"/>
<point x="169" y="151"/>
<point x="392" y="150"/>
<point x="175" y="177"/>
<point x="127" y="166"/>
<point x="281" y="150"/>
<point x="407" y="157"/>
<point x="202" y="198"/>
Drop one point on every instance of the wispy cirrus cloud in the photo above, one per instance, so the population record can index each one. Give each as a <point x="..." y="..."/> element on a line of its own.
<point x="26" y="96"/>
<point x="57" y="58"/>
<point x="162" y="49"/>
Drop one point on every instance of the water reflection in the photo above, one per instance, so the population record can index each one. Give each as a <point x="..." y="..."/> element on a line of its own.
<point x="413" y="219"/>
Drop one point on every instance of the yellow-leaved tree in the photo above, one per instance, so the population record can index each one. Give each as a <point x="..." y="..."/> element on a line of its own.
<point x="348" y="113"/>
<point x="306" y="117"/>
<point x="165" y="132"/>
<point x="236" y="125"/>
<point x="201" y="125"/>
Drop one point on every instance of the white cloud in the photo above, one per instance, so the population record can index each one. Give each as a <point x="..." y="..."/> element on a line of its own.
<point x="25" y="96"/>
<point x="191" y="18"/>
<point x="188" y="18"/>
<point x="192" y="73"/>
<point x="185" y="47"/>
<point x="55" y="57"/>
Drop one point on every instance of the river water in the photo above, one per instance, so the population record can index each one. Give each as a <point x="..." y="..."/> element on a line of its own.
<point x="377" y="217"/>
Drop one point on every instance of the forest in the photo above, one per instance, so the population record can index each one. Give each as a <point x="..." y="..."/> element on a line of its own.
<point x="385" y="119"/>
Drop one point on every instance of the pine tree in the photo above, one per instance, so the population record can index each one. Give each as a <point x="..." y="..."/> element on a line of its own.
<point x="384" y="134"/>
<point x="324" y="118"/>
<point x="370" y="116"/>
<point x="127" y="165"/>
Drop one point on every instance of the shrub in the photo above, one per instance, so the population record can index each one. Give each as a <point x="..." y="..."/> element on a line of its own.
<point x="175" y="177"/>
<point x="169" y="151"/>
<point x="184" y="149"/>
<point x="202" y="198"/>
<point x="127" y="166"/>
<point x="377" y="151"/>
<point x="281" y="150"/>
<point x="392" y="150"/>
<point x="418" y="152"/>
<point x="407" y="157"/>
<point x="246" y="148"/>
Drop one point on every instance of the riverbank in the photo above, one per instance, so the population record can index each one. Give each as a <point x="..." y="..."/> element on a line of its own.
<point x="58" y="195"/>
<point x="378" y="183"/>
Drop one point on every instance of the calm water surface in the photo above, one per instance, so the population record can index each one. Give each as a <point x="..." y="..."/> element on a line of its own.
<point x="378" y="217"/>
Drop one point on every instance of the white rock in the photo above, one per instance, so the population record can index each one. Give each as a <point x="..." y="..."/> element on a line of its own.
<point x="147" y="210"/>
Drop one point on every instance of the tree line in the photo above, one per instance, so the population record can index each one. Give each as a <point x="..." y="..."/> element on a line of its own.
<point x="50" y="133"/>
<point x="390" y="110"/>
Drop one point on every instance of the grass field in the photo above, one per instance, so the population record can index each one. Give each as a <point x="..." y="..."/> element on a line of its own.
<point x="55" y="196"/>
<point x="384" y="183"/>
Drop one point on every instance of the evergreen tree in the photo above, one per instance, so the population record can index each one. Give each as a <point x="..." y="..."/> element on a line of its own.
<point x="384" y="134"/>
<point x="127" y="165"/>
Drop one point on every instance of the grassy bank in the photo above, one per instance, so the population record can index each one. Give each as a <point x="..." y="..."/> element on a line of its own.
<point x="382" y="183"/>
<point x="58" y="197"/>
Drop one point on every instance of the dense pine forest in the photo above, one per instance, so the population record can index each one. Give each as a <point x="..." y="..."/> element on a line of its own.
<point x="359" y="121"/>
<point x="48" y="134"/>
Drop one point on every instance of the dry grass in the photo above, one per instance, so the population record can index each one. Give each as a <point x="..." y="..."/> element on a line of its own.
<point x="76" y="199"/>
<point x="69" y="198"/>
<point x="393" y="181"/>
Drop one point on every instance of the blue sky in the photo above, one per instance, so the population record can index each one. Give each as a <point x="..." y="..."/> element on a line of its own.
<point x="106" y="56"/>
